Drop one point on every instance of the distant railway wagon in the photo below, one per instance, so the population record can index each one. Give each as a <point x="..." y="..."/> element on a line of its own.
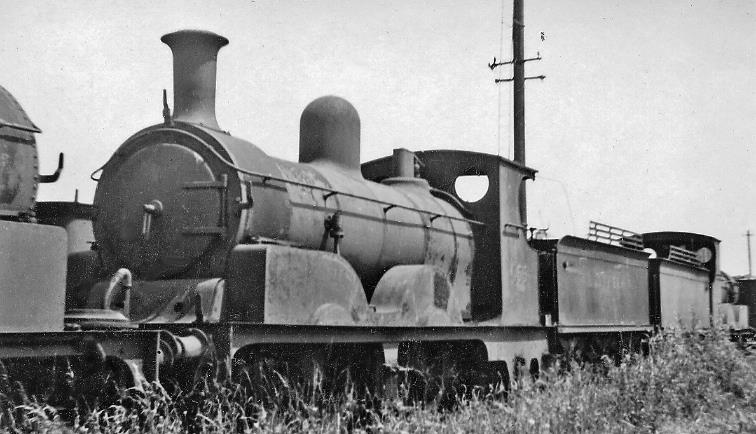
<point x="747" y="297"/>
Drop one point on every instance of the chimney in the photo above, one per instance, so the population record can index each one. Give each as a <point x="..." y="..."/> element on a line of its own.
<point x="194" y="66"/>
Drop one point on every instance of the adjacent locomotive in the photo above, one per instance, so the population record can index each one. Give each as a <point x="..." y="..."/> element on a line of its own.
<point x="33" y="275"/>
<point x="27" y="247"/>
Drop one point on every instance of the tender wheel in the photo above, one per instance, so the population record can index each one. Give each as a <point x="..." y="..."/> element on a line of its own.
<point x="423" y="371"/>
<point x="519" y="369"/>
<point x="549" y="362"/>
<point x="499" y="381"/>
<point x="535" y="369"/>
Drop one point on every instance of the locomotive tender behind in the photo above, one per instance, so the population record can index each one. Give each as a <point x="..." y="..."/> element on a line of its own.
<point x="214" y="249"/>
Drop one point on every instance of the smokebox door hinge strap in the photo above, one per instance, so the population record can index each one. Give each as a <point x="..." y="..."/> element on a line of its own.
<point x="248" y="202"/>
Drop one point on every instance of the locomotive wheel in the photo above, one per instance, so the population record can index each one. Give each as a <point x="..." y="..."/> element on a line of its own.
<point x="645" y="345"/>
<point x="471" y="369"/>
<point x="443" y="371"/>
<point x="422" y="368"/>
<point x="355" y="370"/>
<point x="65" y="383"/>
<point x="205" y="372"/>
<point x="280" y="374"/>
<point x="99" y="377"/>
<point x="523" y="370"/>
<point x="119" y="373"/>
<point x="309" y="372"/>
<point x="257" y="373"/>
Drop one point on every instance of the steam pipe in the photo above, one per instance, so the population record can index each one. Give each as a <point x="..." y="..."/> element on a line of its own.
<point x="195" y="54"/>
<point x="122" y="278"/>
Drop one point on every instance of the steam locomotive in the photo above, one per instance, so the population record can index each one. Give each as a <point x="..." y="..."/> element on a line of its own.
<point x="204" y="248"/>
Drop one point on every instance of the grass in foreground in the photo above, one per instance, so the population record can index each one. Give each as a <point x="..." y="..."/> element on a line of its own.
<point x="690" y="382"/>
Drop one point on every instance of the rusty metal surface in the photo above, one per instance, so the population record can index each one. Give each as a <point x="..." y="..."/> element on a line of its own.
<point x="300" y="282"/>
<point x="412" y="296"/>
<point x="33" y="276"/>
<point x="447" y="243"/>
<point x="600" y="284"/>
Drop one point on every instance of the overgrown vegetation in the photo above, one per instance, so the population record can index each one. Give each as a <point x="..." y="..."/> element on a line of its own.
<point x="689" y="382"/>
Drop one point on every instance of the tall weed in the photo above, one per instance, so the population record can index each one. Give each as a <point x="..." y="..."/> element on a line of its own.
<point x="689" y="382"/>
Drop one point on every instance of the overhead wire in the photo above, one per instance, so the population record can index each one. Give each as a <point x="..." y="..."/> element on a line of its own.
<point x="563" y="185"/>
<point x="510" y="93"/>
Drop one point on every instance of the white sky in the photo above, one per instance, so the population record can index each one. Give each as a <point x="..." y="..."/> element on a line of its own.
<point x="647" y="118"/>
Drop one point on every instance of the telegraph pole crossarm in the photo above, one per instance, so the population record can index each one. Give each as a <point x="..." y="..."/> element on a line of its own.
<point x="504" y="80"/>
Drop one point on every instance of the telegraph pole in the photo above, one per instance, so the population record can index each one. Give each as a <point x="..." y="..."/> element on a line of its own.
<point x="518" y="77"/>
<point x="518" y="81"/>
<point x="748" y="236"/>
<point x="518" y="74"/>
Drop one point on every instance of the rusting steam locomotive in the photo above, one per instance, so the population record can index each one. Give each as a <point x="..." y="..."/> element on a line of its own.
<point x="206" y="248"/>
